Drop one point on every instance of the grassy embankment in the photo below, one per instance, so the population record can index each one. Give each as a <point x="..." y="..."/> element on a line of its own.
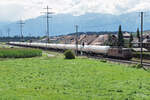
<point x="55" y="78"/>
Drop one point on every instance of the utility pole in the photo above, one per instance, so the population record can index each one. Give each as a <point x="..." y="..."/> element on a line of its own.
<point x="141" y="40"/>
<point x="77" y="39"/>
<point x="1" y="33"/>
<point x="30" y="37"/>
<point x="21" y="23"/>
<point x="8" y="33"/>
<point x="47" y="20"/>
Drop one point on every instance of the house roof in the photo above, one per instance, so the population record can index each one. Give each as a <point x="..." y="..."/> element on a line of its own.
<point x="135" y="40"/>
<point x="88" y="39"/>
<point x="126" y="34"/>
<point x="100" y="40"/>
<point x="146" y="41"/>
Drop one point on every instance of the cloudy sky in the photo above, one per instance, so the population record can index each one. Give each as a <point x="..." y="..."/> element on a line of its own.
<point x="12" y="10"/>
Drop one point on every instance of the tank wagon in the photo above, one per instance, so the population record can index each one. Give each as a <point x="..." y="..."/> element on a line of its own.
<point x="119" y="53"/>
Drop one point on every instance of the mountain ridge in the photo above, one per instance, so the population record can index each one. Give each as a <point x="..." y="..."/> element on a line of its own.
<point x="62" y="24"/>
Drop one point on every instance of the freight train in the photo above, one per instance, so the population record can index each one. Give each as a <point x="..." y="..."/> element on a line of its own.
<point x="107" y="51"/>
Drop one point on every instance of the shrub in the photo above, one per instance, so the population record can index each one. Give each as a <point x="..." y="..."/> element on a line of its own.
<point x="19" y="53"/>
<point x="103" y="60"/>
<point x="137" y="66"/>
<point x="69" y="54"/>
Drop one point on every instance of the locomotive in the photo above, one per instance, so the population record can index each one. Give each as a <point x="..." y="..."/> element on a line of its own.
<point x="107" y="51"/>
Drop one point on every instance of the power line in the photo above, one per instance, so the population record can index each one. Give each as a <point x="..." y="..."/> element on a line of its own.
<point x="21" y="23"/>
<point x="48" y="13"/>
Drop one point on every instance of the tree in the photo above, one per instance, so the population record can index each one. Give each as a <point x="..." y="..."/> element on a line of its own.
<point x="112" y="40"/>
<point x="120" y="37"/>
<point x="109" y="42"/>
<point x="130" y="40"/>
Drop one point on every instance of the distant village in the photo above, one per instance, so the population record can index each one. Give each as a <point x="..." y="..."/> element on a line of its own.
<point x="103" y="39"/>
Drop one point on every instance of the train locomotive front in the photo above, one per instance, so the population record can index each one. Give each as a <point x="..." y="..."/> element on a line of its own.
<point x="120" y="53"/>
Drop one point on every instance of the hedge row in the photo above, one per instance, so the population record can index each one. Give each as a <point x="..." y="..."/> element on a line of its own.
<point x="19" y="52"/>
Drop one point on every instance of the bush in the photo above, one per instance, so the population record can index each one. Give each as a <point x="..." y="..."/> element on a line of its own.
<point x="69" y="54"/>
<point x="137" y="66"/>
<point x="103" y="60"/>
<point x="19" y="53"/>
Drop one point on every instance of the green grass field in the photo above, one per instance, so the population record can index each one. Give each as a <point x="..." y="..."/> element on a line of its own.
<point x="19" y="52"/>
<point x="55" y="78"/>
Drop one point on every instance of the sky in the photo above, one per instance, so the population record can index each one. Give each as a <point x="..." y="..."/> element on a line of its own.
<point x="13" y="10"/>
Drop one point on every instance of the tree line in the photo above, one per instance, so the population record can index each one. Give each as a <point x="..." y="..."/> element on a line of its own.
<point x="119" y="40"/>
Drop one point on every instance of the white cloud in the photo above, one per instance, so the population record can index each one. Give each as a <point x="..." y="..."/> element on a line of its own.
<point x="15" y="9"/>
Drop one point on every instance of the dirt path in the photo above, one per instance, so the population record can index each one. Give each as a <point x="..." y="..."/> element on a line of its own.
<point x="50" y="55"/>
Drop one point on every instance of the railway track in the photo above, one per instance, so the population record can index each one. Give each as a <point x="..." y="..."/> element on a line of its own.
<point x="129" y="62"/>
<point x="146" y="65"/>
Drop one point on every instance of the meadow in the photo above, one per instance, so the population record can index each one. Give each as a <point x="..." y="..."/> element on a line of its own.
<point x="55" y="78"/>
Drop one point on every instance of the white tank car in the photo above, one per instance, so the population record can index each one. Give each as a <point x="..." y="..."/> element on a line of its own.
<point x="86" y="48"/>
<point x="96" y="49"/>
